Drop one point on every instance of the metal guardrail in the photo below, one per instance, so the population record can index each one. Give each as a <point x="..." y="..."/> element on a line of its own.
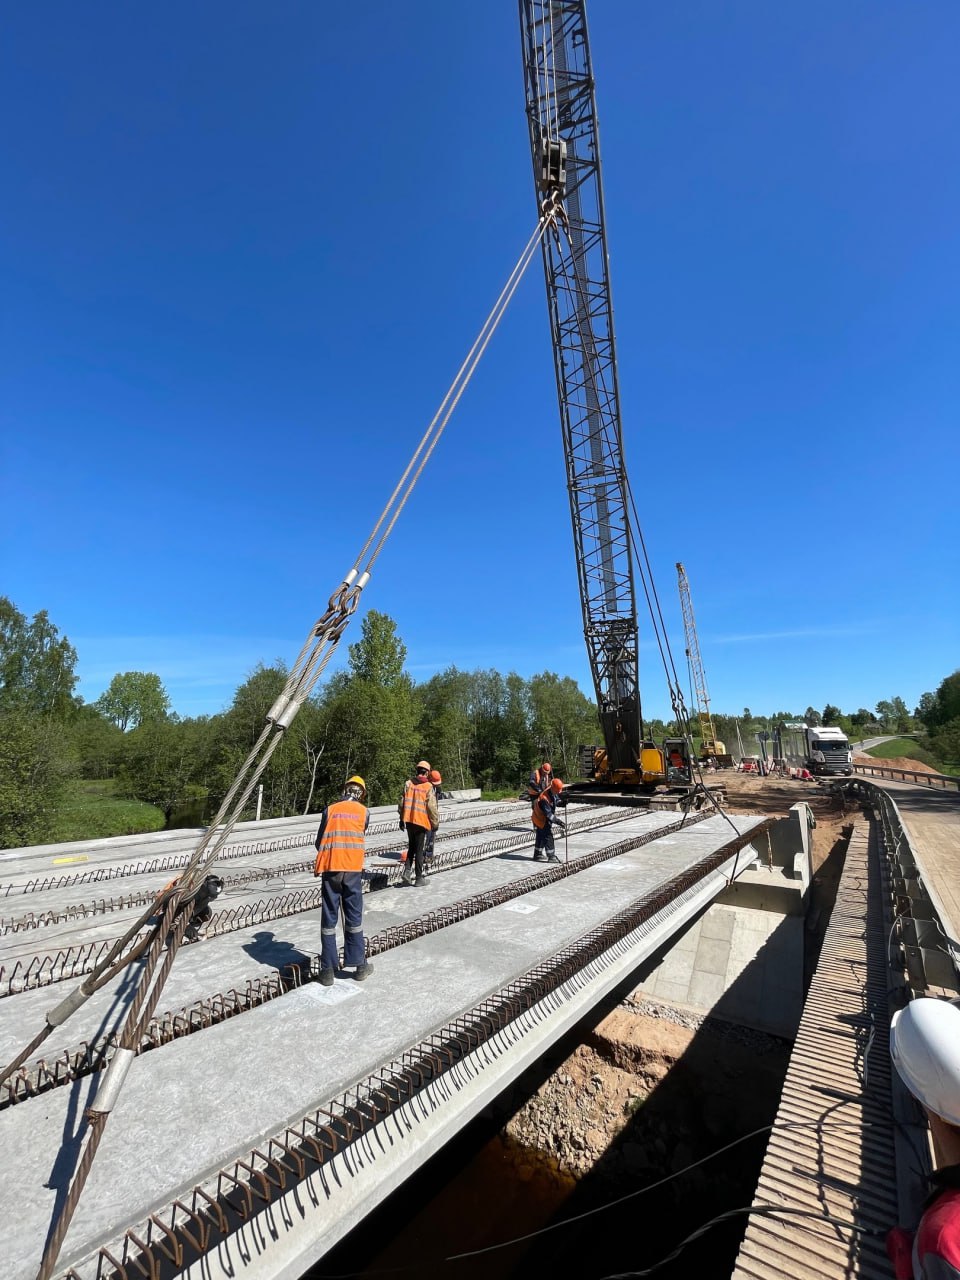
<point x="929" y="957"/>
<point x="940" y="780"/>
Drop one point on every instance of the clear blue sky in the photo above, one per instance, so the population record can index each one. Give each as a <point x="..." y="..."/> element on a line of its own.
<point x="244" y="247"/>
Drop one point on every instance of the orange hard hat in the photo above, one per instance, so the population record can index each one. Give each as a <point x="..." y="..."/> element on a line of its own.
<point x="424" y="764"/>
<point x="556" y="784"/>
<point x="546" y="765"/>
<point x="435" y="776"/>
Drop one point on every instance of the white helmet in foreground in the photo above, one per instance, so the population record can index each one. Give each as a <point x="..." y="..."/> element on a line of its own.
<point x="925" y="1048"/>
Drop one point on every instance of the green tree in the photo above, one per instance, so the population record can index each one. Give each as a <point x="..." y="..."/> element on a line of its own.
<point x="37" y="664"/>
<point x="894" y="716"/>
<point x="31" y="775"/>
<point x="812" y="717"/>
<point x="926" y="709"/>
<point x="946" y="703"/>
<point x="162" y="761"/>
<point x="830" y="714"/>
<point x="946" y="742"/>
<point x="290" y="775"/>
<point x="95" y="744"/>
<point x="902" y="722"/>
<point x="446" y="726"/>
<point x="371" y="714"/>
<point x="133" y="698"/>
<point x="564" y="719"/>
<point x="379" y="654"/>
<point x="36" y="699"/>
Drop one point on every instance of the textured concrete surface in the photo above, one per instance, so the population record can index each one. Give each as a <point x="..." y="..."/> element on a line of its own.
<point x="743" y="959"/>
<point x="193" y="1105"/>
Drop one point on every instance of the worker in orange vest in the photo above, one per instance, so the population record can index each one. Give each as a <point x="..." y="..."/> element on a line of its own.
<point x="419" y="814"/>
<point x="339" y="862"/>
<point x="539" y="780"/>
<point x="436" y="780"/>
<point x="544" y="817"/>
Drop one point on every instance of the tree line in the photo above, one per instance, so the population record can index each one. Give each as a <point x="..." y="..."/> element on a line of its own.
<point x="480" y="728"/>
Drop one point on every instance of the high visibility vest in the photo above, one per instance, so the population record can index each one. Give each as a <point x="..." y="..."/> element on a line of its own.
<point x="415" y="803"/>
<point x="341" y="845"/>
<point x="539" y="817"/>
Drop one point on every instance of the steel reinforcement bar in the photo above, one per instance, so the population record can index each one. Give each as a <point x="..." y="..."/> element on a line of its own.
<point x="42" y="970"/>
<point x="189" y="1226"/>
<point x="74" y="911"/>
<point x="40" y="1075"/>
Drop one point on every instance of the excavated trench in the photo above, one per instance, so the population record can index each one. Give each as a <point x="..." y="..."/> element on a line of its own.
<point x="584" y="1166"/>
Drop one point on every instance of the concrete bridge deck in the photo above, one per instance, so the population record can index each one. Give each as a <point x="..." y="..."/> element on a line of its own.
<point x="203" y="1107"/>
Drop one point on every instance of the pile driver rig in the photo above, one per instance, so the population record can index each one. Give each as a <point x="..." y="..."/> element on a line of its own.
<point x="710" y="745"/>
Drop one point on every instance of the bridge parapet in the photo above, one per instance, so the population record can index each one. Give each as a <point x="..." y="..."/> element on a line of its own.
<point x="930" y="955"/>
<point x="942" y="781"/>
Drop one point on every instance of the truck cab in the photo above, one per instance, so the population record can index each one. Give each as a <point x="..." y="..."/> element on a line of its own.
<point x="828" y="751"/>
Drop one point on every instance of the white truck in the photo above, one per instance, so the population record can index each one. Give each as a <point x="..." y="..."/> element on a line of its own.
<point x="828" y="751"/>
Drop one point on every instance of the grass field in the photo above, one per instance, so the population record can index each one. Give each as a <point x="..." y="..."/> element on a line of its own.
<point x="905" y="748"/>
<point x="89" y="809"/>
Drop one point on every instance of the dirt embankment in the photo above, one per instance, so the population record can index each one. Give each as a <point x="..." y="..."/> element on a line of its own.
<point x="898" y="762"/>
<point x="609" y="1112"/>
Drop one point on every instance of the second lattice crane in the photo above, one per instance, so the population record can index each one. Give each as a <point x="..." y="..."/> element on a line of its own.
<point x="710" y="745"/>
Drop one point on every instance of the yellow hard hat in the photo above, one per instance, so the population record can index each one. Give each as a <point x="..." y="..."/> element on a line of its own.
<point x="358" y="780"/>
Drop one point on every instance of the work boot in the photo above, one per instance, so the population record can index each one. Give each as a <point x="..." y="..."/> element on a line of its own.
<point x="539" y="857"/>
<point x="552" y="857"/>
<point x="407" y="877"/>
<point x="421" y="881"/>
<point x="363" y="971"/>
<point x="326" y="977"/>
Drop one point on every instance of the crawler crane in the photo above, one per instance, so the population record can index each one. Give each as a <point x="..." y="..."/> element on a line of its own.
<point x="562" y="116"/>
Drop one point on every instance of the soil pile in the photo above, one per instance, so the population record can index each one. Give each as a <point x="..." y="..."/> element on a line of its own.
<point x="898" y="762"/>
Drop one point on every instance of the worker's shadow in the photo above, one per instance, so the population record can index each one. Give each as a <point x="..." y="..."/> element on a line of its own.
<point x="83" y="1092"/>
<point x="276" y="952"/>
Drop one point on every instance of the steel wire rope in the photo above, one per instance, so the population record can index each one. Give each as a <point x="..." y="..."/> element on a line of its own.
<point x="675" y="687"/>
<point x="101" y="974"/>
<point x="547" y="218"/>
<point x="588" y="347"/>
<point x="323" y="639"/>
<point x="670" y="1177"/>
<point x="138" y="1015"/>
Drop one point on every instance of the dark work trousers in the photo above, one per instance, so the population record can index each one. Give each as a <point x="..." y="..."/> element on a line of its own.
<point x="342" y="888"/>
<point x="428" y="846"/>
<point x="543" y="845"/>
<point x="415" y="838"/>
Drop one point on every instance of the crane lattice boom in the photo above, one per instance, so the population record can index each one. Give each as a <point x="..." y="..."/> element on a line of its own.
<point x="707" y="732"/>
<point x="562" y="115"/>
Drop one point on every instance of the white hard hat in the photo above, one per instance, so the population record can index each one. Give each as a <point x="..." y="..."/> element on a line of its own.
<point x="925" y="1048"/>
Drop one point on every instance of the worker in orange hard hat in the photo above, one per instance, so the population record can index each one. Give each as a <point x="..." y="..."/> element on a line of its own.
<point x="436" y="780"/>
<point x="419" y="814"/>
<point x="544" y="820"/>
<point x="539" y="780"/>
<point x="339" y="846"/>
<point x="925" y="1049"/>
